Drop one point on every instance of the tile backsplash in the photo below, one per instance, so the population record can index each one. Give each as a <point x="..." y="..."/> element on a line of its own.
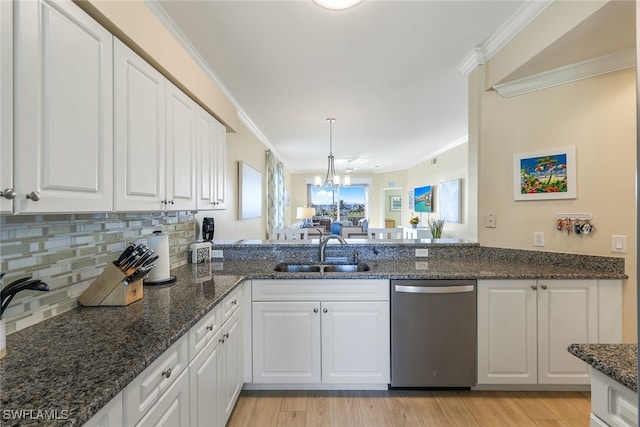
<point x="68" y="251"/>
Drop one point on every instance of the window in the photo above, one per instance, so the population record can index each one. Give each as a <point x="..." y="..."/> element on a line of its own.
<point x="340" y="204"/>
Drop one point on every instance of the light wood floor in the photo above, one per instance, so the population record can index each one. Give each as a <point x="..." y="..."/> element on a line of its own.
<point x="410" y="408"/>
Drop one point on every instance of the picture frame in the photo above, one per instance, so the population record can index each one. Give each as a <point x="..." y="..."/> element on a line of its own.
<point x="395" y="203"/>
<point x="423" y="199"/>
<point x="250" y="198"/>
<point x="450" y="200"/>
<point x="545" y="175"/>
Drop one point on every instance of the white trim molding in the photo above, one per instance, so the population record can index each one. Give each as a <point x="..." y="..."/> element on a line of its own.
<point x="481" y="54"/>
<point x="581" y="70"/>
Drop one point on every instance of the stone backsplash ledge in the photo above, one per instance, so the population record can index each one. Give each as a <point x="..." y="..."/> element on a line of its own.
<point x="68" y="251"/>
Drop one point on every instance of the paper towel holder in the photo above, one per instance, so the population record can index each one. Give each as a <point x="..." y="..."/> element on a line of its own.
<point x="162" y="281"/>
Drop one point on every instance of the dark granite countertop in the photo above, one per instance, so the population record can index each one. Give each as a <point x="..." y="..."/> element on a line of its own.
<point x="78" y="361"/>
<point x="618" y="361"/>
<point x="428" y="268"/>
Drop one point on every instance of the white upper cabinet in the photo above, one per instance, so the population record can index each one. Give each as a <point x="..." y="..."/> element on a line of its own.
<point x="139" y="132"/>
<point x="63" y="110"/>
<point x="220" y="135"/>
<point x="6" y="107"/>
<point x="181" y="146"/>
<point x="155" y="138"/>
<point x="211" y="162"/>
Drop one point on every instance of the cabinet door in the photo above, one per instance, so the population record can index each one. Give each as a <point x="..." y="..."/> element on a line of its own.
<point x="220" y="135"/>
<point x="172" y="410"/>
<point x="139" y="133"/>
<point x="231" y="367"/>
<point x="181" y="144"/>
<point x="6" y="104"/>
<point x="204" y="384"/>
<point x="286" y="342"/>
<point x="205" y="160"/>
<point x="567" y="313"/>
<point x="355" y="342"/>
<point x="111" y="414"/>
<point x="63" y="109"/>
<point x="507" y="332"/>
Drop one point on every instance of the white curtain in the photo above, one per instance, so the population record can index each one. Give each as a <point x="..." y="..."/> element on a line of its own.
<point x="275" y="193"/>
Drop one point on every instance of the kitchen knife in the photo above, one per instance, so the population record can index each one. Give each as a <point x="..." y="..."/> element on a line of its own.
<point x="138" y="274"/>
<point x="151" y="260"/>
<point x="125" y="254"/>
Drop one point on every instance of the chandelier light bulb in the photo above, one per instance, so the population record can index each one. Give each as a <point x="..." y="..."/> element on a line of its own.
<point x="337" y="4"/>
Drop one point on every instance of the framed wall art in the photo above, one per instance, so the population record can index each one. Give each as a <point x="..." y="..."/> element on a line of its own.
<point x="544" y="175"/>
<point x="250" y="185"/>
<point x="395" y="203"/>
<point x="450" y="197"/>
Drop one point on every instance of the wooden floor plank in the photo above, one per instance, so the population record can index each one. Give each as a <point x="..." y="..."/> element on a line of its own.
<point x="401" y="410"/>
<point x="419" y="408"/>
<point x="292" y="419"/>
<point x="373" y="409"/>
<point x="267" y="409"/>
<point x="479" y="405"/>
<point x="320" y="409"/>
<point x="243" y="409"/>
<point x="455" y="410"/>
<point x="428" y="411"/>
<point x="347" y="409"/>
<point x="294" y="401"/>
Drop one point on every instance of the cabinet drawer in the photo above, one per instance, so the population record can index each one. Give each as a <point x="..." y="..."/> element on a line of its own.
<point x="147" y="387"/>
<point x="321" y="289"/>
<point x="231" y="303"/>
<point x="204" y="330"/>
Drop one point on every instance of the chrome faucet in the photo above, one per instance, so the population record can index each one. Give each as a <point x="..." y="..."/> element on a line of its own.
<point x="323" y="244"/>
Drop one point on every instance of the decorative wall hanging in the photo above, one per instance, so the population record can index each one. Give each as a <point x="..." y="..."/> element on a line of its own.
<point x="544" y="175"/>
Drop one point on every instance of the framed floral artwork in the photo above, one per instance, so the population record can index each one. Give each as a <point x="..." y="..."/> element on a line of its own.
<point x="544" y="175"/>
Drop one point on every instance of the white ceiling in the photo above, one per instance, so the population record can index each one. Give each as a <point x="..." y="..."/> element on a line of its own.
<point x="388" y="71"/>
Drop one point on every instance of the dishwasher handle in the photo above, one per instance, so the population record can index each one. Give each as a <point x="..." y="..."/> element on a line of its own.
<point x="433" y="289"/>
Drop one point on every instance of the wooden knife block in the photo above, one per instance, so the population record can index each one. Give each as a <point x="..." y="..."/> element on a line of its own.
<point x="107" y="289"/>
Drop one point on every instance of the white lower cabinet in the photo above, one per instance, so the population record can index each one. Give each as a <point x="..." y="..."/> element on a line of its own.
<point x="110" y="414"/>
<point x="172" y="409"/>
<point x="612" y="404"/>
<point x="320" y="331"/>
<point x="525" y="326"/>
<point x="216" y="372"/>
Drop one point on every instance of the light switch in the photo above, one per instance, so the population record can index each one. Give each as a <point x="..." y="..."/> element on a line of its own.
<point x="619" y="244"/>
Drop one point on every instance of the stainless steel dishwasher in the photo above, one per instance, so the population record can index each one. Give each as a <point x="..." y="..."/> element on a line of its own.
<point x="433" y="333"/>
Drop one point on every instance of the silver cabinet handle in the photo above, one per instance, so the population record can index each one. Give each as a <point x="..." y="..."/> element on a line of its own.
<point x="34" y="196"/>
<point x="8" y="193"/>
<point x="163" y="202"/>
<point x="166" y="373"/>
<point x="433" y="289"/>
<point x="226" y="335"/>
<point x="544" y="286"/>
<point x="315" y="310"/>
<point x="534" y="287"/>
<point x="210" y="328"/>
<point x="234" y="302"/>
<point x="171" y="202"/>
<point x="324" y="310"/>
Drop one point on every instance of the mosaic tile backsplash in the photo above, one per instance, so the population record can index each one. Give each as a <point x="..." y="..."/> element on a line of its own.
<point x="68" y="251"/>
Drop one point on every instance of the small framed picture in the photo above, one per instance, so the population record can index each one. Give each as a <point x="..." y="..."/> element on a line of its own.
<point x="544" y="175"/>
<point x="395" y="203"/>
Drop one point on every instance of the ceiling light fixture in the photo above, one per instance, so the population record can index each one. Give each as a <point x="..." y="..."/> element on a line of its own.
<point x="337" y="4"/>
<point x="332" y="179"/>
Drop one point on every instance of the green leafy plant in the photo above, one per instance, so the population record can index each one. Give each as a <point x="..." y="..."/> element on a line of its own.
<point x="436" y="228"/>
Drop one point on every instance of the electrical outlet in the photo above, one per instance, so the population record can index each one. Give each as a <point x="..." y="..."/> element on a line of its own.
<point x="538" y="238"/>
<point x="216" y="253"/>
<point x="422" y="253"/>
<point x="491" y="220"/>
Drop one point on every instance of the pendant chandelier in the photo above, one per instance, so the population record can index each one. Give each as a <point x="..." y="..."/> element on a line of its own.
<point x="332" y="179"/>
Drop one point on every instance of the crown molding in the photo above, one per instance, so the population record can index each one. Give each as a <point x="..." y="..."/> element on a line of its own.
<point x="480" y="55"/>
<point x="581" y="70"/>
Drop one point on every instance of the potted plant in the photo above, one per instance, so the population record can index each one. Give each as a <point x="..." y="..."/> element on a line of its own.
<point x="436" y="228"/>
<point x="414" y="221"/>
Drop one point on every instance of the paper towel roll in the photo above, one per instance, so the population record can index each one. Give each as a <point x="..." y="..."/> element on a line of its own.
<point x="159" y="243"/>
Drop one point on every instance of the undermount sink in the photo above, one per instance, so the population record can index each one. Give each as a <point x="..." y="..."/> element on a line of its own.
<point x="321" y="268"/>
